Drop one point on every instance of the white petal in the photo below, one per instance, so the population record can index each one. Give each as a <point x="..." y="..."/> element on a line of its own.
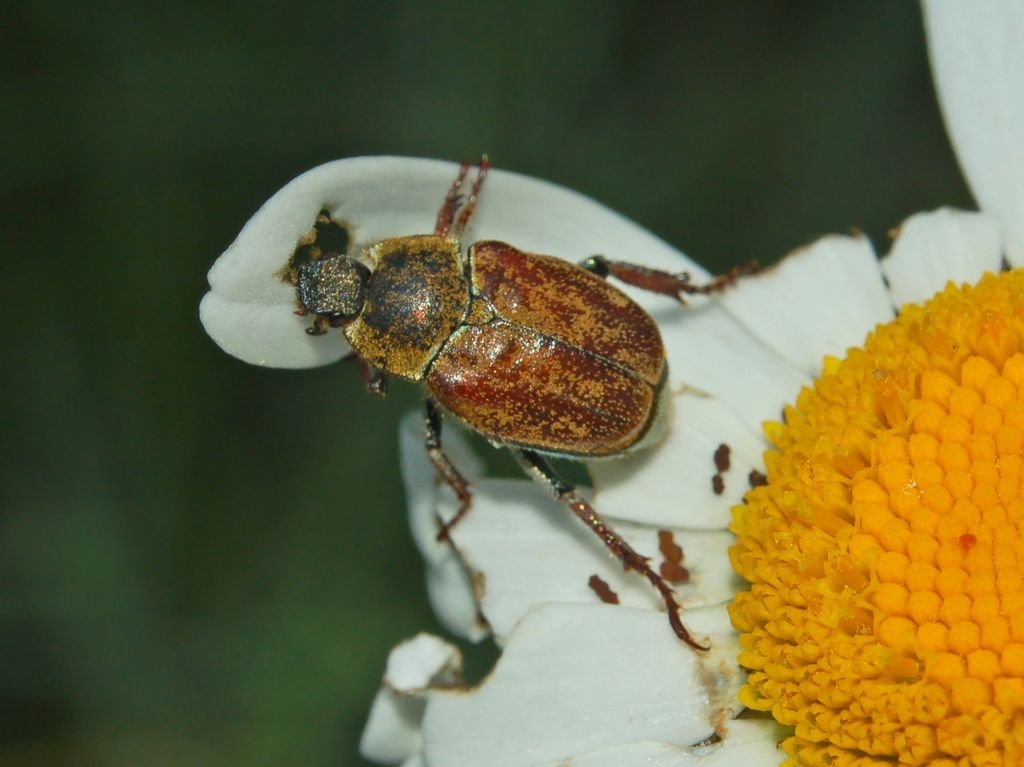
<point x="448" y="584"/>
<point x="523" y="548"/>
<point x="711" y="352"/>
<point x="393" y="729"/>
<point x="976" y="58"/>
<point x="643" y="753"/>
<point x="267" y="333"/>
<point x="670" y="483"/>
<point x="744" y="743"/>
<point x="622" y="676"/>
<point x="821" y="299"/>
<point x="749" y="742"/>
<point x="422" y="662"/>
<point x="934" y="248"/>
<point x="378" y="197"/>
<point x="452" y="599"/>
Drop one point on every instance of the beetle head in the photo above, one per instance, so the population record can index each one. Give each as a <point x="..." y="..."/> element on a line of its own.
<point x="333" y="287"/>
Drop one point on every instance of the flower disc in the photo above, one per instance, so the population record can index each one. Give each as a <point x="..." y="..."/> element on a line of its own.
<point x="885" y="616"/>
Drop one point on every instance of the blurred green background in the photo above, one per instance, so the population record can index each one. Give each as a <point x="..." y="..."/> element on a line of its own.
<point x="190" y="574"/>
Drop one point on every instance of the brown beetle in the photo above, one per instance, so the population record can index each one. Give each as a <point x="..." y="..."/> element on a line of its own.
<point x="536" y="354"/>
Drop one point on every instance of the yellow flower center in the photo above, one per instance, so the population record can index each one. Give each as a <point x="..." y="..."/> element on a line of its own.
<point x="885" y="616"/>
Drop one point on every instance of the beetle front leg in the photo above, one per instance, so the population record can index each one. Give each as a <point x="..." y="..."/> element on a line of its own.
<point x="319" y="327"/>
<point x="543" y="472"/>
<point x="375" y="379"/>
<point x="446" y="469"/>
<point x="674" y="285"/>
<point x="474" y="194"/>
<point x="453" y="200"/>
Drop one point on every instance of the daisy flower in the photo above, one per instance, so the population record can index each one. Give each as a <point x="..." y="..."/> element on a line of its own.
<point x="878" y="615"/>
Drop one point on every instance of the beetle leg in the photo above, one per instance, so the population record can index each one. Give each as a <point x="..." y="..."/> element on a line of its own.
<point x="446" y="215"/>
<point x="376" y="380"/>
<point x="658" y="281"/>
<point x="319" y="326"/>
<point x="474" y="194"/>
<point x="543" y="472"/>
<point x="445" y="468"/>
<point x="453" y="200"/>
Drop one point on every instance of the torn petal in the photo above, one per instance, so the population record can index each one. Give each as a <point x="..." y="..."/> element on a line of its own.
<point x="623" y="677"/>
<point x="393" y="729"/>
<point x="975" y="51"/>
<point x="941" y="246"/>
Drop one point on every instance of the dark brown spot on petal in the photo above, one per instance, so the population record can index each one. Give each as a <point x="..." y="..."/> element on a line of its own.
<point x="718" y="484"/>
<point x="722" y="455"/>
<point x="603" y="590"/>
<point x="671" y="569"/>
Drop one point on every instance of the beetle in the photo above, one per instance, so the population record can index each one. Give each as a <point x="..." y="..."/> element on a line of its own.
<point x="537" y="354"/>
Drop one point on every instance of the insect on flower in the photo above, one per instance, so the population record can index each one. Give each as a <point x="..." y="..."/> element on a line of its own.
<point x="540" y="356"/>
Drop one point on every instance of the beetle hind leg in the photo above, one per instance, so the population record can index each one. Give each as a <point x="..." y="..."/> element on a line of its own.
<point x="675" y="285"/>
<point x="543" y="472"/>
<point x="446" y="469"/>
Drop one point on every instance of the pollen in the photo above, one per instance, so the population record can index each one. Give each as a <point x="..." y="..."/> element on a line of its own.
<point x="884" y="621"/>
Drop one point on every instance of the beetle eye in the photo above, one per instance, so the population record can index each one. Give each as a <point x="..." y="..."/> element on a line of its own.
<point x="333" y="286"/>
